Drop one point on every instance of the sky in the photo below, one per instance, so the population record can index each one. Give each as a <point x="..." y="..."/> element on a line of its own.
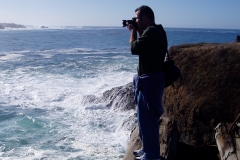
<point x="222" y="14"/>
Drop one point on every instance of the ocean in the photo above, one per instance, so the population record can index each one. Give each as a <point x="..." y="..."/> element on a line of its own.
<point x="46" y="72"/>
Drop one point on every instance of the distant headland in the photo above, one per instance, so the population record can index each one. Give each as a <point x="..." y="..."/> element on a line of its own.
<point x="10" y="25"/>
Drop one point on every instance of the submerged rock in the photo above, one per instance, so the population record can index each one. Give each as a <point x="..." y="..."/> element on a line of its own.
<point x="119" y="99"/>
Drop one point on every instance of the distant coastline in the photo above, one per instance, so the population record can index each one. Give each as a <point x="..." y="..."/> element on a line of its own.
<point x="10" y="25"/>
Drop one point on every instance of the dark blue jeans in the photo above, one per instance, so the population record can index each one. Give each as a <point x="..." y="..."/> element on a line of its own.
<point x="149" y="93"/>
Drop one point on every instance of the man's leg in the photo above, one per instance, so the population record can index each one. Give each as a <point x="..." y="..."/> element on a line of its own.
<point x="149" y="128"/>
<point x="140" y="152"/>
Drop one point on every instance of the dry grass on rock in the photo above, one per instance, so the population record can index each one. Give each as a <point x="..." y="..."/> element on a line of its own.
<point x="209" y="91"/>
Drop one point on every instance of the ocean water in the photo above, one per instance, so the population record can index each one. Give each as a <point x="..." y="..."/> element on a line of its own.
<point x="44" y="75"/>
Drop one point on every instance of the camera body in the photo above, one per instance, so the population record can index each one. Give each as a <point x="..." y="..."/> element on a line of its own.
<point x="133" y="22"/>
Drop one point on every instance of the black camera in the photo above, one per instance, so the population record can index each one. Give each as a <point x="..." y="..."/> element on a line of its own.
<point x="133" y="22"/>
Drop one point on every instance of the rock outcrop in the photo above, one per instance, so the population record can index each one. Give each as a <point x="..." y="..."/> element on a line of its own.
<point x="118" y="98"/>
<point x="10" y="25"/>
<point x="207" y="94"/>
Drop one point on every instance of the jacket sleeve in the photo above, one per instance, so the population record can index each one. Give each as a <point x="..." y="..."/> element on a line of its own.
<point x="143" y="43"/>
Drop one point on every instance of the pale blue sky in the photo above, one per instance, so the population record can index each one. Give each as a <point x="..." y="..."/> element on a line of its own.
<point x="169" y="13"/>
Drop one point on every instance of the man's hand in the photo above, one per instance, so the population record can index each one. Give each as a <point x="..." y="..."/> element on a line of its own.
<point x="131" y="27"/>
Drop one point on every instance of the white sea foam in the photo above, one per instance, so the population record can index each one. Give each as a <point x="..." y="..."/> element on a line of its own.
<point x="90" y="131"/>
<point x="9" y="56"/>
<point x="49" y="28"/>
<point x="47" y="55"/>
<point x="42" y="89"/>
<point x="81" y="51"/>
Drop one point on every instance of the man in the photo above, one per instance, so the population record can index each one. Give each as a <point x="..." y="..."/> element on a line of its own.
<point x="149" y="83"/>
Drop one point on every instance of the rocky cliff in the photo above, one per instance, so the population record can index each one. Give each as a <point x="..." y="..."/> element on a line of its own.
<point x="207" y="94"/>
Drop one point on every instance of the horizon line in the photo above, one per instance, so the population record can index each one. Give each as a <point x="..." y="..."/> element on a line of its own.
<point x="111" y="26"/>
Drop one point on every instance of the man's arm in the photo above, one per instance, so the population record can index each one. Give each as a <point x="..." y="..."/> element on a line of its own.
<point x="143" y="43"/>
<point x="133" y="35"/>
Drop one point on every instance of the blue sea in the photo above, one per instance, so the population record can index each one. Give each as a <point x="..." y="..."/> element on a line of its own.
<point x="46" y="72"/>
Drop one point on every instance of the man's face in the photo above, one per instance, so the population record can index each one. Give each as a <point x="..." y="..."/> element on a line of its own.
<point x="140" y="21"/>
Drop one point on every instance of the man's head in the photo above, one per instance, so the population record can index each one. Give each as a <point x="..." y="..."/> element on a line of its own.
<point x="144" y="17"/>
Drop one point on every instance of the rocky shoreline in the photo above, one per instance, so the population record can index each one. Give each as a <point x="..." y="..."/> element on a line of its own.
<point x="207" y="94"/>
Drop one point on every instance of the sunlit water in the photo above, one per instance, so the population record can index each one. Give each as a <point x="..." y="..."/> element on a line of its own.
<point x="44" y="75"/>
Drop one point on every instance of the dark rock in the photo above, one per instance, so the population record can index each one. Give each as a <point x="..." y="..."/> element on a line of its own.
<point x="118" y="98"/>
<point x="170" y="147"/>
<point x="130" y="123"/>
<point x="168" y="138"/>
<point x="134" y="144"/>
<point x="188" y="152"/>
<point x="208" y="93"/>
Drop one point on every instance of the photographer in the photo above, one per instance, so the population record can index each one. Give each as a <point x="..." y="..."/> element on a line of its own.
<point x="149" y="83"/>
